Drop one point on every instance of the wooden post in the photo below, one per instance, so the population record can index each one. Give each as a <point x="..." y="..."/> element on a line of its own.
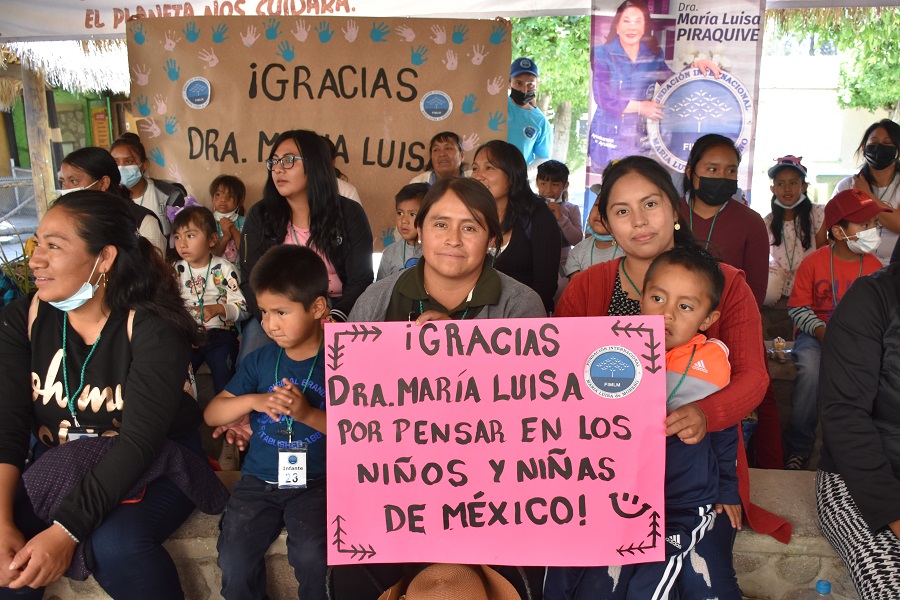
<point x="37" y="127"/>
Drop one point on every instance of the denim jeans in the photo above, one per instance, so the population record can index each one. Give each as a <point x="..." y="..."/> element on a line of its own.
<point x="252" y="337"/>
<point x="253" y="518"/>
<point x="801" y="431"/>
<point x="220" y="354"/>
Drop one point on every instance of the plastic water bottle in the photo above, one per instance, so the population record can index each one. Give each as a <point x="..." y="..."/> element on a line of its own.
<point x="821" y="592"/>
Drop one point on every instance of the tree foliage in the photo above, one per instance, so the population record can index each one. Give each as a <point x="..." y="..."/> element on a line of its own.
<point x="870" y="75"/>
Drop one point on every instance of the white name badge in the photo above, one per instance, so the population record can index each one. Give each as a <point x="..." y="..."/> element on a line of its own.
<point x="292" y="467"/>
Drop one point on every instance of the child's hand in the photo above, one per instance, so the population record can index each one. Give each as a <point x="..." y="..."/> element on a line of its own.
<point x="734" y="513"/>
<point x="227" y="226"/>
<point x="554" y="208"/>
<point x="288" y="400"/>
<point x="432" y="315"/>
<point x="237" y="433"/>
<point x="212" y="311"/>
<point x="688" y="423"/>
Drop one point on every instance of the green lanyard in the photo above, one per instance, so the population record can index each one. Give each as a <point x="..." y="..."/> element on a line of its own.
<point x="711" y="226"/>
<point x="289" y="421"/>
<point x="634" y="287"/>
<point x="793" y="246"/>
<point x="683" y="375"/>
<point x="833" y="285"/>
<point x="294" y="234"/>
<point x="203" y="289"/>
<point x="70" y="398"/>
<point x="594" y="245"/>
<point x="462" y="318"/>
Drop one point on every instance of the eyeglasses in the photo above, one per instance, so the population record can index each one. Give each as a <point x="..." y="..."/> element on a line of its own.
<point x="286" y="162"/>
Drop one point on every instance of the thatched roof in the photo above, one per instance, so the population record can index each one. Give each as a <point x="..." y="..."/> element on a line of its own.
<point x="76" y="66"/>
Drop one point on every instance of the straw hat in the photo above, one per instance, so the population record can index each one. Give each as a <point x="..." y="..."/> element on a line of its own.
<point x="454" y="582"/>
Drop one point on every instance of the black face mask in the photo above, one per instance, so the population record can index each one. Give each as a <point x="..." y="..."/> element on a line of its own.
<point x="716" y="191"/>
<point x="521" y="98"/>
<point x="879" y="156"/>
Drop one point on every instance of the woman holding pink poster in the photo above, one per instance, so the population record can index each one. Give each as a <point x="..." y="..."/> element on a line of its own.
<point x="626" y="70"/>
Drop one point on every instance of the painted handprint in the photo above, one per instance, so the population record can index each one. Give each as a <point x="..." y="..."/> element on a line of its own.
<point x="379" y="32"/>
<point x="138" y="32"/>
<point x="156" y="156"/>
<point x="272" y="28"/>
<point x="325" y="32"/>
<point x="141" y="77"/>
<point x="405" y="33"/>
<point x="387" y="236"/>
<point x="478" y="54"/>
<point x="170" y="41"/>
<point x="191" y="32"/>
<point x="250" y="36"/>
<point x="498" y="34"/>
<point x="172" y="69"/>
<point x="470" y="142"/>
<point x="439" y="34"/>
<point x="209" y="57"/>
<point x="285" y="51"/>
<point x="497" y="121"/>
<point x="142" y="105"/>
<point x="175" y="174"/>
<point x="419" y="55"/>
<point x="351" y="31"/>
<point x="460" y="33"/>
<point x="468" y="106"/>
<point x="220" y="33"/>
<point x="451" y="62"/>
<point x="150" y="128"/>
<point x="159" y="102"/>
<point x="171" y="125"/>
<point x="495" y="85"/>
<point x="301" y="30"/>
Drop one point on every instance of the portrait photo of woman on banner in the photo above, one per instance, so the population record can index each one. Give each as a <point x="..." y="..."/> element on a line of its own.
<point x="627" y="66"/>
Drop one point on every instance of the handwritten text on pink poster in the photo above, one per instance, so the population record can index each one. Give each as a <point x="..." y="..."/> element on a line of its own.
<point x="525" y="442"/>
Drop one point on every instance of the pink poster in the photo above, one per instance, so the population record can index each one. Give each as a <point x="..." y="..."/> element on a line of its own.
<point x="518" y="442"/>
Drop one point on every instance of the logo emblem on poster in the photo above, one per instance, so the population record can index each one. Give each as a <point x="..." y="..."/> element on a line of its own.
<point x="196" y="92"/>
<point x="612" y="371"/>
<point x="697" y="104"/>
<point x="436" y="105"/>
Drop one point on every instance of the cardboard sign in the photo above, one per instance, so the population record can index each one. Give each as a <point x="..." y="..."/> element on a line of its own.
<point x="214" y="93"/>
<point x="519" y="442"/>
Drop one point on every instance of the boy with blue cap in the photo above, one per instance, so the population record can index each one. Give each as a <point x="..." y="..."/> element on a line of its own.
<point x="527" y="127"/>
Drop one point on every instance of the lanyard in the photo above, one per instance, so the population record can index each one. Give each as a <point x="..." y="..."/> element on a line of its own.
<point x="833" y="285"/>
<point x="462" y="318"/>
<point x="70" y="398"/>
<point x="683" y="375"/>
<point x="287" y="419"/>
<point x="634" y="287"/>
<point x="711" y="226"/>
<point x="790" y="258"/>
<point x="203" y="289"/>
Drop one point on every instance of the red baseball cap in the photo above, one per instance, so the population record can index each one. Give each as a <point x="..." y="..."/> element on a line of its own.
<point x="852" y="205"/>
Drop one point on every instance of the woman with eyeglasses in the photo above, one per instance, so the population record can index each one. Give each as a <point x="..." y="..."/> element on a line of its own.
<point x="301" y="205"/>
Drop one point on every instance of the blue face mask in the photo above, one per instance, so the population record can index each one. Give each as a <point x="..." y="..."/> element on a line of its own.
<point x="130" y="175"/>
<point x="79" y="298"/>
<point x="803" y="198"/>
<point x="600" y="237"/>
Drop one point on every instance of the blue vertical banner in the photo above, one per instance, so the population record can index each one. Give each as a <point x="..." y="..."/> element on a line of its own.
<point x="665" y="73"/>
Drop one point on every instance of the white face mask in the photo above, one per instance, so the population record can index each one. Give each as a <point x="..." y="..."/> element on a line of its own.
<point x="866" y="242"/>
<point x="78" y="189"/>
<point x="232" y="216"/>
<point x="130" y="175"/>
<point x="79" y="298"/>
<point x="803" y="198"/>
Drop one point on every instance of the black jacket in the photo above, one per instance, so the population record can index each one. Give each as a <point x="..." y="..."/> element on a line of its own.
<point x="859" y="395"/>
<point x="352" y="259"/>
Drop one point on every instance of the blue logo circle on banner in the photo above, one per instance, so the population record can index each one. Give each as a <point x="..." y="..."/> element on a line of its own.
<point x="196" y="92"/>
<point x="697" y="104"/>
<point x="436" y="105"/>
<point x="612" y="371"/>
<point x="292" y="459"/>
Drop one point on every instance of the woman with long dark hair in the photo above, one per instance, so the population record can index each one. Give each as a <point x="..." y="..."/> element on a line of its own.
<point x="301" y="206"/>
<point x="529" y="252"/>
<point x="106" y="342"/>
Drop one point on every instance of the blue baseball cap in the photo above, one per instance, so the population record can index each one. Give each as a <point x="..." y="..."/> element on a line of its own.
<point x="523" y="65"/>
